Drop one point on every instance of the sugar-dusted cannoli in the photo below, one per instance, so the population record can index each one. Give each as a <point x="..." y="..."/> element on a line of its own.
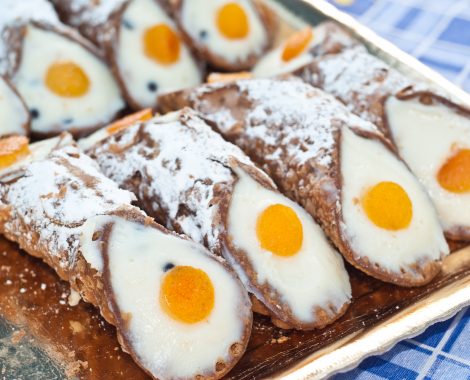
<point x="337" y="166"/>
<point x="141" y="43"/>
<point x="229" y="35"/>
<point x="302" y="47"/>
<point x="14" y="116"/>
<point x="179" y="311"/>
<point x="408" y="113"/>
<point x="196" y="183"/>
<point x="61" y="76"/>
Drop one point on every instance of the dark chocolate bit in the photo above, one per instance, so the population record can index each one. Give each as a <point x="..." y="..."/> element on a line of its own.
<point x="34" y="113"/>
<point x="127" y="24"/>
<point x="68" y="120"/>
<point x="203" y="34"/>
<point x="168" y="266"/>
<point x="152" y="86"/>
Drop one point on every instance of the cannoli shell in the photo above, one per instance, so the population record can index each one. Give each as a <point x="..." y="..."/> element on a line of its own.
<point x="199" y="208"/>
<point x="315" y="183"/>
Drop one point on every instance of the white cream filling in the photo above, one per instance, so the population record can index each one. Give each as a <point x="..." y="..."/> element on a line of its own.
<point x="139" y="71"/>
<point x="13" y="116"/>
<point x="167" y="348"/>
<point x="426" y="136"/>
<point x="201" y="15"/>
<point x="91" y="250"/>
<point x="39" y="51"/>
<point x="314" y="277"/>
<point x="365" y="163"/>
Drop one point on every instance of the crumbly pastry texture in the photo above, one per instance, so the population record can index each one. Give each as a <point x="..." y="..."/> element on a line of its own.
<point x="45" y="204"/>
<point x="96" y="20"/>
<point x="361" y="81"/>
<point x="293" y="131"/>
<point x="184" y="174"/>
<point x="179" y="170"/>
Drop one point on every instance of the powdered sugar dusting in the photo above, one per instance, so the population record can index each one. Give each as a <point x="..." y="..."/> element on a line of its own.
<point x="182" y="164"/>
<point x="93" y="12"/>
<point x="17" y="12"/>
<point x="55" y="196"/>
<point x="354" y="76"/>
<point x="14" y="11"/>
<point x="296" y="120"/>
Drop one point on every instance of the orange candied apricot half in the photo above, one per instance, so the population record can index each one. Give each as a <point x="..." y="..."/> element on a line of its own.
<point x="296" y="44"/>
<point x="118" y="125"/>
<point x="232" y="21"/>
<point x="228" y="77"/>
<point x="279" y="230"/>
<point x="162" y="44"/>
<point x="67" y="80"/>
<point x="187" y="294"/>
<point x="388" y="206"/>
<point x="454" y="175"/>
<point x="13" y="149"/>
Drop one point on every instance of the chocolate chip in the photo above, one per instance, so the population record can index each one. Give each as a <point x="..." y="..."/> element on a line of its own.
<point x="168" y="266"/>
<point x="68" y="121"/>
<point x="152" y="86"/>
<point x="203" y="34"/>
<point x="127" y="24"/>
<point x="34" y="113"/>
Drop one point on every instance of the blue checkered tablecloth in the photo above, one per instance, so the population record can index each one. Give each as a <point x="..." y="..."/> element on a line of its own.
<point x="437" y="32"/>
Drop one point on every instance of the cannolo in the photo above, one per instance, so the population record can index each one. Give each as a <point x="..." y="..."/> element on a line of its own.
<point x="337" y="166"/>
<point x="408" y="112"/>
<point x="61" y="76"/>
<point x="229" y="35"/>
<point x="179" y="312"/>
<point x="141" y="42"/>
<point x="14" y="116"/>
<point x="196" y="183"/>
<point x="302" y="47"/>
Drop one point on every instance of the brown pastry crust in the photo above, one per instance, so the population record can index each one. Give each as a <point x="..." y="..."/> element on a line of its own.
<point x="336" y="39"/>
<point x="16" y="35"/>
<point x="366" y="92"/>
<point x="309" y="183"/>
<point x="27" y="125"/>
<point x="217" y="62"/>
<point x="116" y="156"/>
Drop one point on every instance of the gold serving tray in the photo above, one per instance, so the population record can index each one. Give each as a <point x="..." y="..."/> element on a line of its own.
<point x="43" y="337"/>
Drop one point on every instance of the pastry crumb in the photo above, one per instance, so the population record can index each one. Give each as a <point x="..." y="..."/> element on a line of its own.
<point x="76" y="327"/>
<point x="74" y="298"/>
